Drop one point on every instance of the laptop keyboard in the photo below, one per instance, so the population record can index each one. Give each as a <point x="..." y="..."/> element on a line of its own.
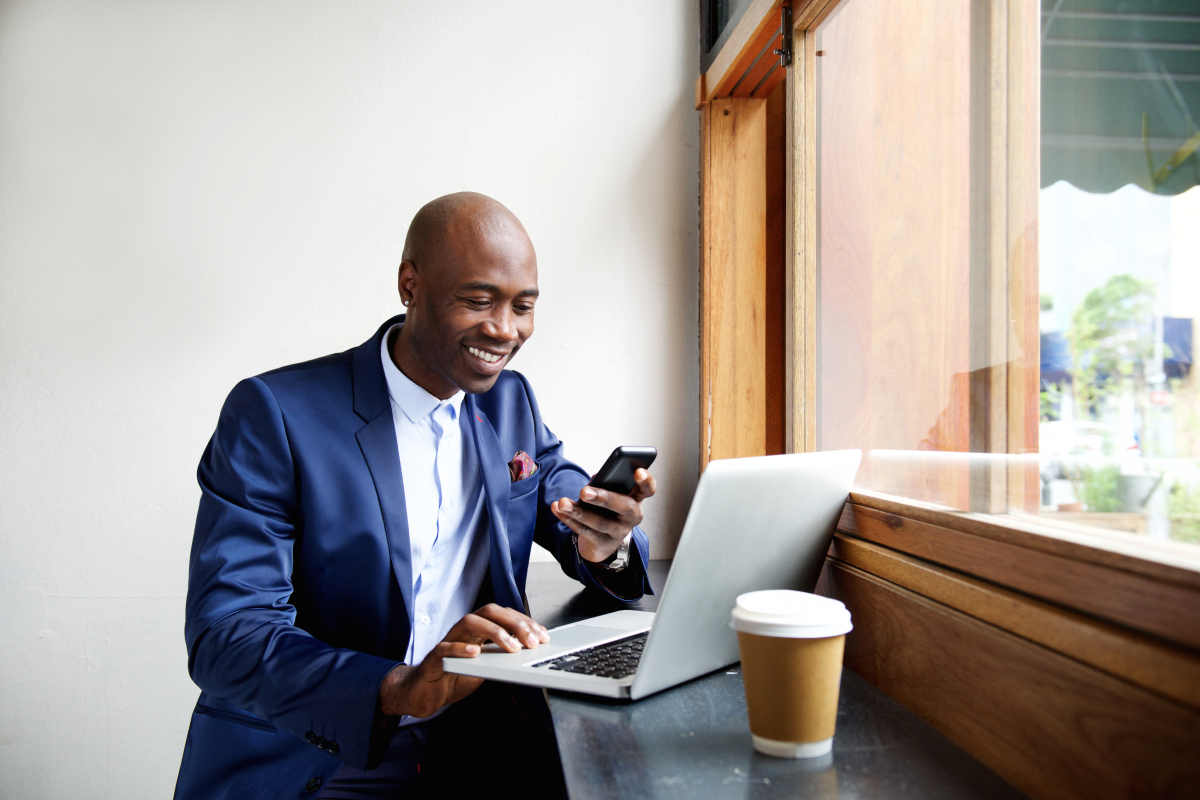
<point x="617" y="659"/>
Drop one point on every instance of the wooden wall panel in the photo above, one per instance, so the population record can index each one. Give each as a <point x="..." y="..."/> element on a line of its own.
<point x="734" y="281"/>
<point x="1171" y="672"/>
<point x="1051" y="726"/>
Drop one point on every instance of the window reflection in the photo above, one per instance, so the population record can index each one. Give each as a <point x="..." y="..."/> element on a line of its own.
<point x="896" y="365"/>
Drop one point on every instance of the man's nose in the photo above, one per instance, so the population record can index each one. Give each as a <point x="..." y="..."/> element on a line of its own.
<point x="502" y="326"/>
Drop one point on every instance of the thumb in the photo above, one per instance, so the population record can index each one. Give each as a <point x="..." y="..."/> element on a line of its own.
<point x="433" y="661"/>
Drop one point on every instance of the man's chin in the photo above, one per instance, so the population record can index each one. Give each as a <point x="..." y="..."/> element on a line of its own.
<point x="474" y="376"/>
<point x="477" y="384"/>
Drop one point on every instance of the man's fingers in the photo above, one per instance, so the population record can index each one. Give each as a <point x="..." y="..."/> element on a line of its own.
<point x="474" y="629"/>
<point x="622" y="504"/>
<point x="459" y="650"/>
<point x="575" y="523"/>
<point x="593" y="545"/>
<point x="567" y="518"/>
<point x="628" y="511"/>
<point x="486" y="629"/>
<point x="510" y="629"/>
<point x="646" y="485"/>
<point x="433" y="666"/>
<point x="579" y="528"/>
<point x="519" y="626"/>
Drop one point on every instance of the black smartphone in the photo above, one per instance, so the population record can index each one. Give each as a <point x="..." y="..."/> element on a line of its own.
<point x="617" y="474"/>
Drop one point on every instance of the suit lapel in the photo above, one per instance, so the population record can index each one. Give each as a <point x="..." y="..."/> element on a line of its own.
<point x="493" y="465"/>
<point x="378" y="444"/>
<point x="377" y="441"/>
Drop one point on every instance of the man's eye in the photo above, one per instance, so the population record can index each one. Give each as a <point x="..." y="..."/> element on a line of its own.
<point x="523" y="308"/>
<point x="479" y="303"/>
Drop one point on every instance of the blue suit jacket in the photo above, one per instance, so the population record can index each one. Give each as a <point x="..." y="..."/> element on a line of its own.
<point x="300" y="587"/>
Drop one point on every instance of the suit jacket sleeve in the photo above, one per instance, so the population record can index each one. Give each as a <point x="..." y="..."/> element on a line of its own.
<point x="243" y="644"/>
<point x="563" y="478"/>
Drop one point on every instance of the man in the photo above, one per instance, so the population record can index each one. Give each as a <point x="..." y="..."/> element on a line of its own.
<point x="364" y="515"/>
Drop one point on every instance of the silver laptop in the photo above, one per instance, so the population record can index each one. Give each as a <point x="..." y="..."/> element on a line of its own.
<point x="755" y="523"/>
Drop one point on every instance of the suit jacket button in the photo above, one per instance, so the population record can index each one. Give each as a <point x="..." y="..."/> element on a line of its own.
<point x="321" y="742"/>
<point x="333" y="747"/>
<point x="312" y="785"/>
<point x="310" y="737"/>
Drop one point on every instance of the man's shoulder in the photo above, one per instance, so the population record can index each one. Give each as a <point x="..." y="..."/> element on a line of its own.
<point x="337" y="372"/>
<point x="314" y="369"/>
<point x="316" y="378"/>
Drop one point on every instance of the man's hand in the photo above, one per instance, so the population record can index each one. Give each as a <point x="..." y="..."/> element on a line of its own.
<point x="599" y="537"/>
<point x="421" y="690"/>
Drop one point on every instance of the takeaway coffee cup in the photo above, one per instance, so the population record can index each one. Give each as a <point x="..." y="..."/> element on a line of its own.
<point x="791" y="645"/>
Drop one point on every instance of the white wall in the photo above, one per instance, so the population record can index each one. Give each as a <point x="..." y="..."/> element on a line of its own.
<point x="194" y="192"/>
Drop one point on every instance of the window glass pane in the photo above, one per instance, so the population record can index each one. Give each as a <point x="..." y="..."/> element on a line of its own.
<point x="719" y="15"/>
<point x="1006" y="290"/>
<point x="1120" y="265"/>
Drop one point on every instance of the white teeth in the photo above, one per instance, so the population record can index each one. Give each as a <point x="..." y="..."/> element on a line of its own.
<point x="488" y="357"/>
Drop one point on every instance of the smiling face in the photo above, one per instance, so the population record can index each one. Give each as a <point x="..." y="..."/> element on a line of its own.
<point x="470" y="283"/>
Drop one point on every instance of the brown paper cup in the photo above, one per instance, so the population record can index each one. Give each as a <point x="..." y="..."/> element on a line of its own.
<point x="792" y="690"/>
<point x="792" y="670"/>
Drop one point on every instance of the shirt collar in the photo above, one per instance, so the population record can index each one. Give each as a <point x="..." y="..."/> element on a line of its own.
<point x="415" y="402"/>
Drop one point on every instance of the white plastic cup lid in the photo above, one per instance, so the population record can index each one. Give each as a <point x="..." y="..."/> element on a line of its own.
<point x="790" y="615"/>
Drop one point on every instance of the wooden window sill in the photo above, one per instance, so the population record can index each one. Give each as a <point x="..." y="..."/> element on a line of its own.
<point x="1148" y="586"/>
<point x="1173" y="561"/>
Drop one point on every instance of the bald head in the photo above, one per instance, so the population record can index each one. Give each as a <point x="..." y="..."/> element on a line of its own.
<point x="469" y="281"/>
<point x="461" y="218"/>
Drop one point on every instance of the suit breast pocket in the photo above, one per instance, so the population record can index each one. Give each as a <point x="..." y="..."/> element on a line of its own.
<point x="522" y="508"/>
<point x="523" y="487"/>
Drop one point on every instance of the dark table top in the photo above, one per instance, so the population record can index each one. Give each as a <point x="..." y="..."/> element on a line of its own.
<point x="694" y="740"/>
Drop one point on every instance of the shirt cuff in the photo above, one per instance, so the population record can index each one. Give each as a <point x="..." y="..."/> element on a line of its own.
<point x="627" y="585"/>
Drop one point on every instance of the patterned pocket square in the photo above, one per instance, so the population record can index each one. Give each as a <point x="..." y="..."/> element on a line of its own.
<point x="522" y="466"/>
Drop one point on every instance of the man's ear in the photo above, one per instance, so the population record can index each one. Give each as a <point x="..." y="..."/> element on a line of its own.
<point x="407" y="281"/>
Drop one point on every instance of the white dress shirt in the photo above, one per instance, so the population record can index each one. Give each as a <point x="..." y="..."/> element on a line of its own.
<point x="443" y="495"/>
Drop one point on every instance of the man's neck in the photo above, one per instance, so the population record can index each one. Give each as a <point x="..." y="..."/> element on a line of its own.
<point x="411" y="365"/>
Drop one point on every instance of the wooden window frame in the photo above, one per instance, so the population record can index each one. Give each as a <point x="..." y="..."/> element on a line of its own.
<point x="743" y="240"/>
<point x="1065" y="658"/>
